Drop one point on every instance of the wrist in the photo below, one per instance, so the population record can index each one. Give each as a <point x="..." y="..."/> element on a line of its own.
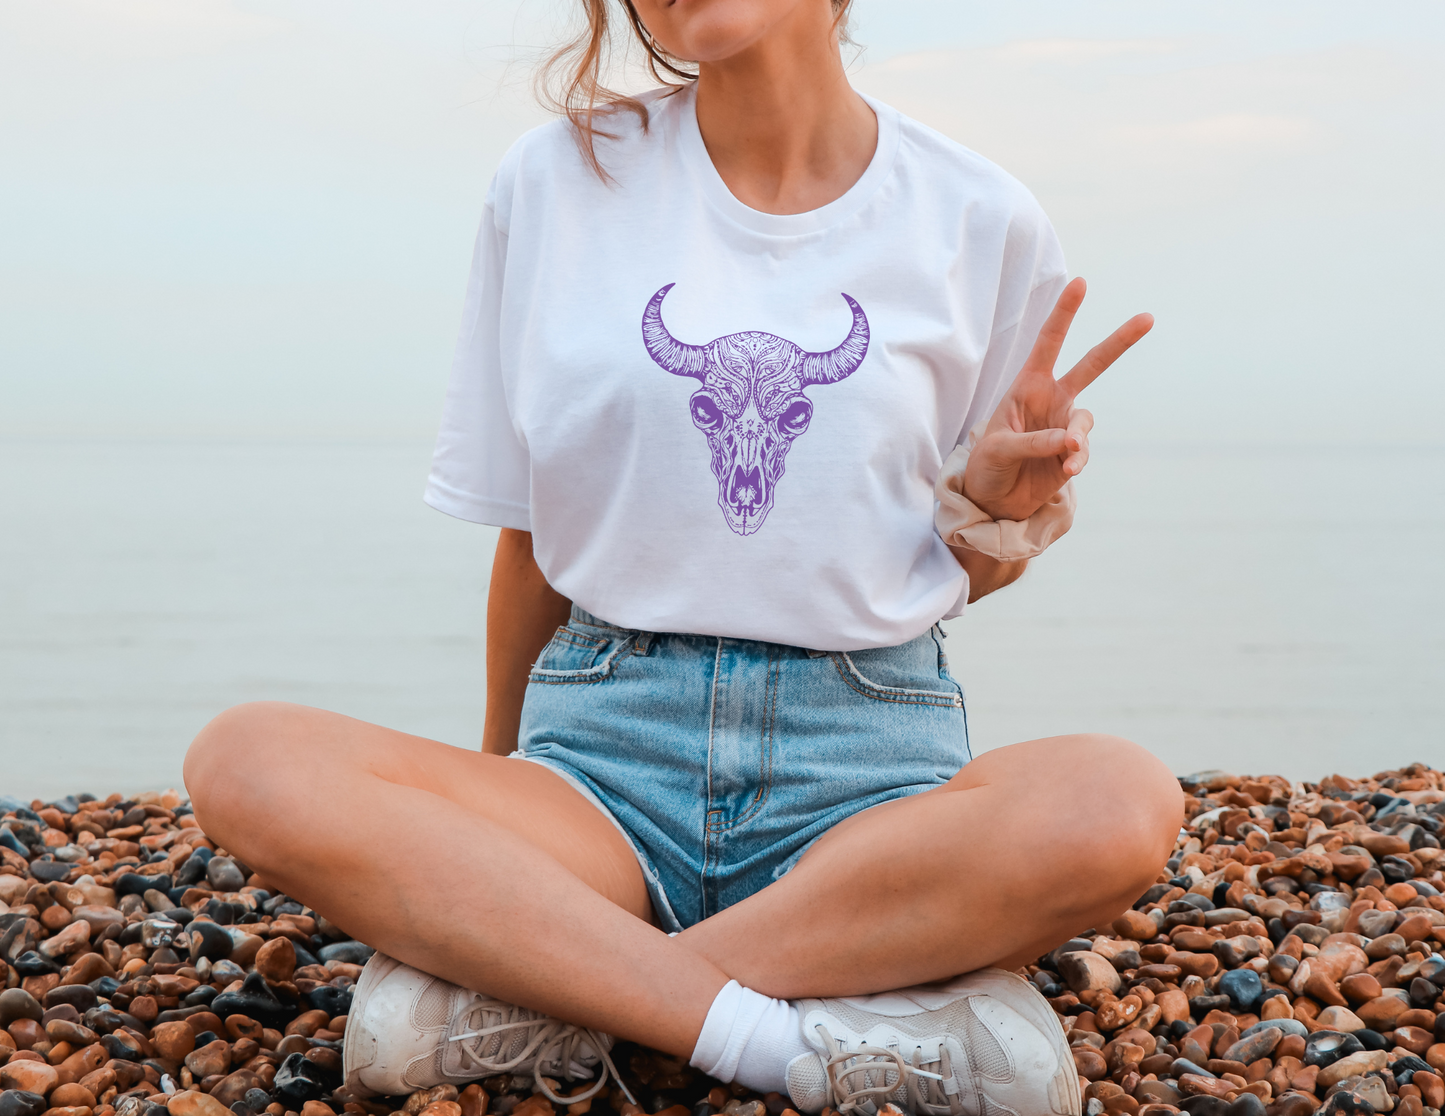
<point x="994" y="506"/>
<point x="962" y="522"/>
<point x="986" y="574"/>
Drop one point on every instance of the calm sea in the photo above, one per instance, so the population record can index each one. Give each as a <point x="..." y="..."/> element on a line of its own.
<point x="1262" y="611"/>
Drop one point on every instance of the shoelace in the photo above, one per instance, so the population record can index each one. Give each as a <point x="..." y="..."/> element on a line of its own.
<point x="864" y="1060"/>
<point x="551" y="1042"/>
<point x="928" y="1090"/>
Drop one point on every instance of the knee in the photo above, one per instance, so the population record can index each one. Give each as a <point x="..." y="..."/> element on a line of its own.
<point x="1140" y="806"/>
<point x="229" y="762"/>
<point x="1139" y="782"/>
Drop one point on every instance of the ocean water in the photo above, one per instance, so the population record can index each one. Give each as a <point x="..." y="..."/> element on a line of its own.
<point x="1260" y="610"/>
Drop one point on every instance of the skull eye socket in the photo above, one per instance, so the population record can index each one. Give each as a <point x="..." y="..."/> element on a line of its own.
<point x="706" y="414"/>
<point x="795" y="419"/>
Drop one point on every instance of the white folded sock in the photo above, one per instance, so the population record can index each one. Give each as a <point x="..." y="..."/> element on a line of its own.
<point x="749" y="1038"/>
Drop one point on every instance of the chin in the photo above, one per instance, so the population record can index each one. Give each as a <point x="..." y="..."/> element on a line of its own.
<point x="711" y="30"/>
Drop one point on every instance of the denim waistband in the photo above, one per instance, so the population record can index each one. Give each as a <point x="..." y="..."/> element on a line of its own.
<point x="582" y="616"/>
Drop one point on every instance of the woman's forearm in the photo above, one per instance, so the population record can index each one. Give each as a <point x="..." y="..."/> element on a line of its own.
<point x="987" y="575"/>
<point x="522" y="613"/>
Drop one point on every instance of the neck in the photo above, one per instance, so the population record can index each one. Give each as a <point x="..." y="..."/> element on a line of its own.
<point x="785" y="130"/>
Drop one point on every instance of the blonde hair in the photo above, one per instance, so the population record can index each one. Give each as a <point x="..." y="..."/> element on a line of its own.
<point x="570" y="81"/>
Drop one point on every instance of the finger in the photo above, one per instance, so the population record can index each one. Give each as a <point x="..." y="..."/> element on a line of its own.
<point x="1051" y="338"/>
<point x="1077" y="442"/>
<point x="1105" y="353"/>
<point x="1008" y="446"/>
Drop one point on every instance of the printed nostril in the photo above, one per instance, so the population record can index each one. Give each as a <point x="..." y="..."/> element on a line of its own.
<point x="746" y="487"/>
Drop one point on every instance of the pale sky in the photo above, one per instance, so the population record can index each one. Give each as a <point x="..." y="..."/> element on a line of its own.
<point x="252" y="218"/>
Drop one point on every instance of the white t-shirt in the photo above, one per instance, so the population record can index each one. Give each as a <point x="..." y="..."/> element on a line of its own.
<point x="728" y="422"/>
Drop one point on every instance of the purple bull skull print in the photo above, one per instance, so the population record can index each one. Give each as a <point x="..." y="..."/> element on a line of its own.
<point x="751" y="404"/>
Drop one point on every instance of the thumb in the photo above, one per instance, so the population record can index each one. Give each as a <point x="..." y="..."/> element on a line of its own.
<point x="1011" y="446"/>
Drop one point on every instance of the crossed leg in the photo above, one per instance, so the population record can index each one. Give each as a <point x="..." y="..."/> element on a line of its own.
<point x="497" y="875"/>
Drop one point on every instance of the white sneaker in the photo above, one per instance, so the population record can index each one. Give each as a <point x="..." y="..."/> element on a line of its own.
<point x="984" y="1044"/>
<point x="407" y="1030"/>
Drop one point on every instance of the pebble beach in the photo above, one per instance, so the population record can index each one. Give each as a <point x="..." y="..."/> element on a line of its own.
<point x="1286" y="961"/>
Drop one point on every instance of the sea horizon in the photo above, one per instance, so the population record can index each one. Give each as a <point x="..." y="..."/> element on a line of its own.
<point x="1261" y="609"/>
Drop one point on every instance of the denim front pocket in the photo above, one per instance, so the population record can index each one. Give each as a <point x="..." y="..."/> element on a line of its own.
<point x="577" y="657"/>
<point x="912" y="674"/>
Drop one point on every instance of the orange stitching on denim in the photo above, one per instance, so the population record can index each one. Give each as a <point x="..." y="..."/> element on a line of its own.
<point x="707" y="882"/>
<point x="765" y="760"/>
<point x="577" y="639"/>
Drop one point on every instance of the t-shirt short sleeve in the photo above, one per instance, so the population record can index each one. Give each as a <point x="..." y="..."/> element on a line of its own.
<point x="1034" y="275"/>
<point x="480" y="468"/>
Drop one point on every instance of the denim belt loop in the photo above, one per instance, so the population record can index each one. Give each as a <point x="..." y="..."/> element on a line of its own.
<point x="643" y="643"/>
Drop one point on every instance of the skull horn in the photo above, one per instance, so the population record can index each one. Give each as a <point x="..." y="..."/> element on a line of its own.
<point x="675" y="356"/>
<point x="836" y="364"/>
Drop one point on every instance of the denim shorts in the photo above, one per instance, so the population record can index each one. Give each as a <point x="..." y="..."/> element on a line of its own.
<point x="722" y="760"/>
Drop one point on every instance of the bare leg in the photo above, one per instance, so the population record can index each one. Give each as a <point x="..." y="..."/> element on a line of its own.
<point x="377" y="830"/>
<point x="489" y="871"/>
<point x="1026" y="846"/>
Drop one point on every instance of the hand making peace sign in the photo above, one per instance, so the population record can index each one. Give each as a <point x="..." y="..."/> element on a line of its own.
<point x="1037" y="439"/>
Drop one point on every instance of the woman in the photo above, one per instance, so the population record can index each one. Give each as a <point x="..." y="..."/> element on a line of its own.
<point x="721" y="343"/>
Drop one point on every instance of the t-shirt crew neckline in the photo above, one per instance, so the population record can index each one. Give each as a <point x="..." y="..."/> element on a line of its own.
<point x="788" y="224"/>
